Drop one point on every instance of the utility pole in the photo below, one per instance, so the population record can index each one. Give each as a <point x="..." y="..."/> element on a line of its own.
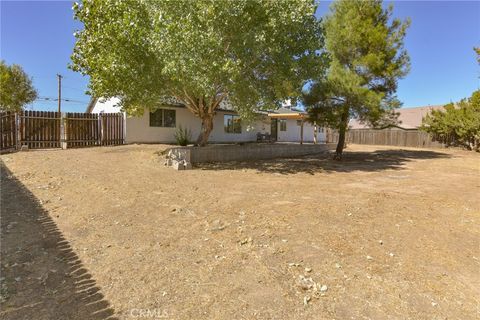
<point x="59" y="92"/>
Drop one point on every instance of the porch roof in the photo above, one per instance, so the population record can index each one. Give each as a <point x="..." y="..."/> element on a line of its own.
<point x="288" y="113"/>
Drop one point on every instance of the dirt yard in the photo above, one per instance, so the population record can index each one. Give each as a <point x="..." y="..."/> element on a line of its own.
<point x="111" y="233"/>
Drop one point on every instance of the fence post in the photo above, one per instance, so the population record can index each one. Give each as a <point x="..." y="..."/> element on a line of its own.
<point x="100" y="129"/>
<point x="124" y="129"/>
<point x="63" y="130"/>
<point x="17" y="131"/>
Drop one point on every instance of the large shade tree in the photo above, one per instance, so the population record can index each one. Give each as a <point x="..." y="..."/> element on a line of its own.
<point x="16" y="89"/>
<point x="365" y="46"/>
<point x="251" y="53"/>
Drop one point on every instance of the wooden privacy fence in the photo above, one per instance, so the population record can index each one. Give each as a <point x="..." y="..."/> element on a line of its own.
<point x="48" y="129"/>
<point x="93" y="129"/>
<point x="112" y="126"/>
<point x="390" y="137"/>
<point x="82" y="129"/>
<point x="39" y="129"/>
<point x="8" y="130"/>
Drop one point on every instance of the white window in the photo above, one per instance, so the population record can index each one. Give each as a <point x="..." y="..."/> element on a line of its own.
<point x="163" y="118"/>
<point x="232" y="123"/>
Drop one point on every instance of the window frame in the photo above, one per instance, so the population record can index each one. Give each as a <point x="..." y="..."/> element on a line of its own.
<point x="163" y="117"/>
<point x="282" y="125"/>
<point x="232" y="124"/>
<point x="171" y="120"/>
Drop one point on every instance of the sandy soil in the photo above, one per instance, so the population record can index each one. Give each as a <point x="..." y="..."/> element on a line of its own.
<point x="111" y="233"/>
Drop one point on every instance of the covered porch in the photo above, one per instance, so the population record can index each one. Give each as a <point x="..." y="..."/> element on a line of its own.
<point x="298" y="115"/>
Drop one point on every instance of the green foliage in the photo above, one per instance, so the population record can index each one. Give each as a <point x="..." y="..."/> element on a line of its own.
<point x="365" y="46"/>
<point x="458" y="125"/>
<point x="253" y="53"/>
<point x="182" y="136"/>
<point x="16" y="88"/>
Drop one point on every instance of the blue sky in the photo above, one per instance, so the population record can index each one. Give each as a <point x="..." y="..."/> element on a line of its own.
<point x="38" y="35"/>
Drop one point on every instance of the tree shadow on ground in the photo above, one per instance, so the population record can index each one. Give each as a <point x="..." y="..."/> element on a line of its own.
<point x="352" y="161"/>
<point x="41" y="276"/>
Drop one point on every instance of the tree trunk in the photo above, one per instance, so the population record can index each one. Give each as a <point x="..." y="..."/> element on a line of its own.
<point x="205" y="109"/>
<point x="341" y="135"/>
<point x="207" y="127"/>
<point x="340" y="144"/>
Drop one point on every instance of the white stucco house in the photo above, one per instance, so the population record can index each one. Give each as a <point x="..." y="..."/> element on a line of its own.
<point x="286" y="124"/>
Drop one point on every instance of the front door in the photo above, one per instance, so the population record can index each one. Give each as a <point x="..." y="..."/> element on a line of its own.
<point x="273" y="129"/>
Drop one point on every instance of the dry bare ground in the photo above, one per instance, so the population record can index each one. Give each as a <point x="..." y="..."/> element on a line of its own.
<point x="111" y="233"/>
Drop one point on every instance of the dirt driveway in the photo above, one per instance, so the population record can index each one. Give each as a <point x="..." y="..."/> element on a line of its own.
<point x="111" y="233"/>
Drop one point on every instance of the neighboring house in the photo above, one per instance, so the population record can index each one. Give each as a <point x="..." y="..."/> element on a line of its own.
<point x="408" y="119"/>
<point x="285" y="124"/>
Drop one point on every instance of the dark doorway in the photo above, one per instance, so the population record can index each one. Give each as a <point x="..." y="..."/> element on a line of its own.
<point x="274" y="129"/>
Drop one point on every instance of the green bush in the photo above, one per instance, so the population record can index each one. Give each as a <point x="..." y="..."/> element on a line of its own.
<point x="458" y="124"/>
<point x="182" y="136"/>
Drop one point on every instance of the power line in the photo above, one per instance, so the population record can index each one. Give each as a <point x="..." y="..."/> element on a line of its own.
<point x="63" y="100"/>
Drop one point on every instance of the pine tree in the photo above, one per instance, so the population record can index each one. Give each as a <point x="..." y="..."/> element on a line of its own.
<point x="365" y="46"/>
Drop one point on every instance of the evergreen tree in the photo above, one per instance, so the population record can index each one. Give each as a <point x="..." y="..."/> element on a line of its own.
<point x="365" y="46"/>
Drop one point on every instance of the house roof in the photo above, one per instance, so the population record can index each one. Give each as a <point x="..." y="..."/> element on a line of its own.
<point x="408" y="118"/>
<point x="224" y="106"/>
<point x="172" y="102"/>
<point x="287" y="112"/>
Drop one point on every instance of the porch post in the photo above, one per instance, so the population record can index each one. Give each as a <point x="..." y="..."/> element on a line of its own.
<point x="301" y="131"/>
<point x="315" y="130"/>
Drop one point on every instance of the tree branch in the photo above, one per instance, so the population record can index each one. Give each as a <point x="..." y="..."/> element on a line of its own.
<point x="191" y="104"/>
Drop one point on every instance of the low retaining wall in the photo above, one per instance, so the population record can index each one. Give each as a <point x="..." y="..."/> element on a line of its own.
<point x="248" y="152"/>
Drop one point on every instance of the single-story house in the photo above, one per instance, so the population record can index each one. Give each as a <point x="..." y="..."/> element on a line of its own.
<point x="286" y="124"/>
<point x="408" y="119"/>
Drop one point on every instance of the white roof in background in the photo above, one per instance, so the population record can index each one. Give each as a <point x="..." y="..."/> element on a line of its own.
<point x="112" y="104"/>
<point x="409" y="118"/>
<point x="225" y="105"/>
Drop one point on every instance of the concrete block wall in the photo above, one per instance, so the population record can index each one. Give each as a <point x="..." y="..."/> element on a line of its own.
<point x="248" y="152"/>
